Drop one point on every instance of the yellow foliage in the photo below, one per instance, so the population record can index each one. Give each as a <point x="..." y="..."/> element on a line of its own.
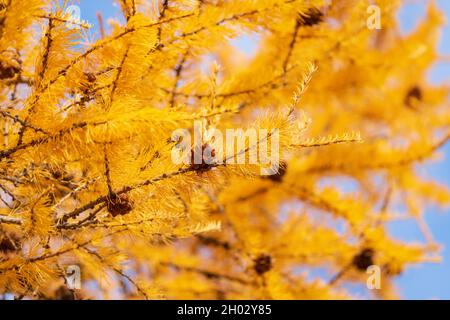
<point x="86" y="170"/>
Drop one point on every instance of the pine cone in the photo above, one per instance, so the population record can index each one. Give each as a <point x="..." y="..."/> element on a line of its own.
<point x="64" y="293"/>
<point x="414" y="94"/>
<point x="90" y="77"/>
<point x="9" y="244"/>
<point x="311" y="18"/>
<point x="278" y="177"/>
<point x="119" y="205"/>
<point x="364" y="259"/>
<point x="10" y="64"/>
<point x="263" y="264"/>
<point x="204" y="166"/>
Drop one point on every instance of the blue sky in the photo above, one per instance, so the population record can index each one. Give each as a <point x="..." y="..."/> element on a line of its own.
<point x="427" y="281"/>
